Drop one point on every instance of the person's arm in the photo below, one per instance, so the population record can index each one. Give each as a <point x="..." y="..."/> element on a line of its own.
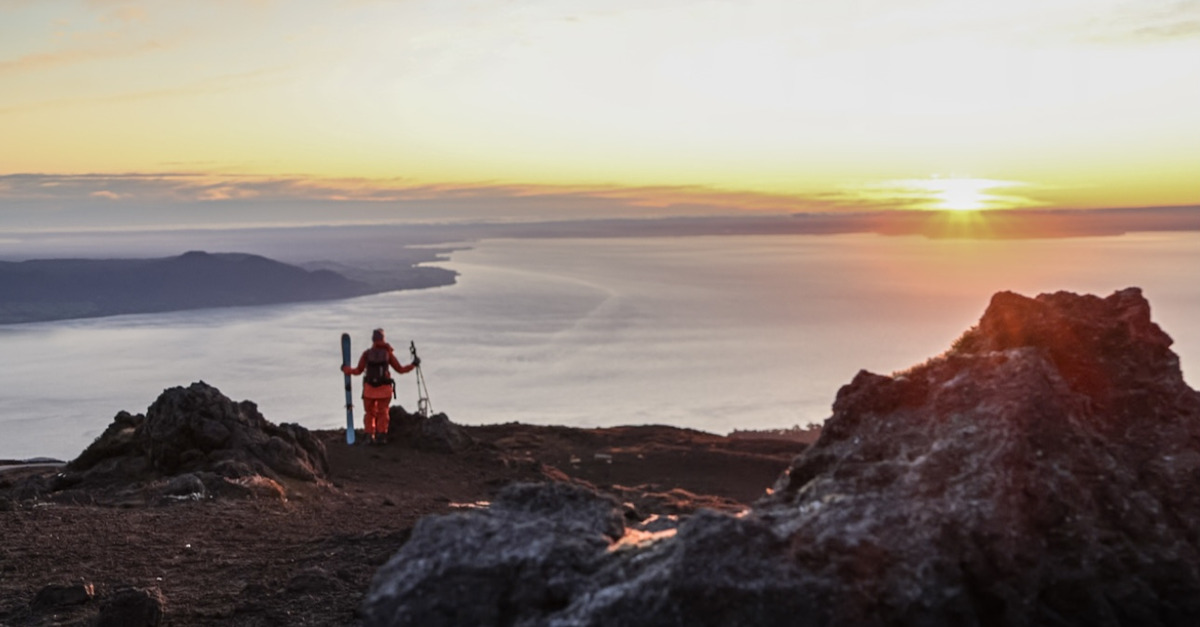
<point x="401" y="369"/>
<point x="362" y="365"/>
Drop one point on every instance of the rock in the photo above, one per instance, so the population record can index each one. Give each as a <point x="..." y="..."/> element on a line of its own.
<point x="58" y="596"/>
<point x="530" y="549"/>
<point x="116" y="442"/>
<point x="1044" y="471"/>
<point x="435" y="433"/>
<point x="185" y="485"/>
<point x="132" y="607"/>
<point x="195" y="438"/>
<point x="254" y="487"/>
<point x="192" y="428"/>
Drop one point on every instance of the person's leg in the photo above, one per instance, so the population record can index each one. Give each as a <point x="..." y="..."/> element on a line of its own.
<point x="377" y="417"/>
<point x="368" y="419"/>
<point x="383" y="420"/>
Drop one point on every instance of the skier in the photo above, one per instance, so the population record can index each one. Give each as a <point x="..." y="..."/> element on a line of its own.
<point x="378" y="386"/>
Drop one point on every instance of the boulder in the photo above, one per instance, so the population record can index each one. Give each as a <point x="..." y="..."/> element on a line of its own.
<point x="1043" y="471"/>
<point x="530" y="549"/>
<point x="194" y="442"/>
<point x="195" y="428"/>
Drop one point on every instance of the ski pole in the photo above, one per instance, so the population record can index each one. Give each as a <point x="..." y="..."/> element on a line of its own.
<point x="424" y="408"/>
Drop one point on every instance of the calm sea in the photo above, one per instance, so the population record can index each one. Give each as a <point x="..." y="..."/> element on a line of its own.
<point x="715" y="333"/>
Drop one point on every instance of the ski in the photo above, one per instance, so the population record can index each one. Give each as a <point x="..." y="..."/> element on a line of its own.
<point x="349" y="400"/>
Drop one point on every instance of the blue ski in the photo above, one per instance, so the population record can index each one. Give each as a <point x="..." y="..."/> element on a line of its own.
<point x="349" y="400"/>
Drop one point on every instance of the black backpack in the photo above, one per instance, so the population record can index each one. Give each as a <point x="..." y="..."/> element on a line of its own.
<point x="377" y="372"/>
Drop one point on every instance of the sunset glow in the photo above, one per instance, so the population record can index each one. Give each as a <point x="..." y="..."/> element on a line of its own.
<point x="816" y="106"/>
<point x="966" y="194"/>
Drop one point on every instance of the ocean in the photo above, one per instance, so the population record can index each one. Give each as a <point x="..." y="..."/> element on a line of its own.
<point x="715" y="333"/>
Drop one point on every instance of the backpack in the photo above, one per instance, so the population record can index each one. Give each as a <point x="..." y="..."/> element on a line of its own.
<point x="377" y="372"/>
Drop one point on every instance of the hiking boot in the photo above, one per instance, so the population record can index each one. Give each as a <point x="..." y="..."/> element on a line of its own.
<point x="382" y="439"/>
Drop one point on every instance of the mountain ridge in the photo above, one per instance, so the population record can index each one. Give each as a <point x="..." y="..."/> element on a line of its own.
<point x="59" y="289"/>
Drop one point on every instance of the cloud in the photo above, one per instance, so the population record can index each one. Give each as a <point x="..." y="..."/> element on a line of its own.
<point x="43" y="60"/>
<point x="125" y="14"/>
<point x="195" y="187"/>
<point x="216" y="84"/>
<point x="106" y="194"/>
<point x="34" y="201"/>
<point x="1148" y="22"/>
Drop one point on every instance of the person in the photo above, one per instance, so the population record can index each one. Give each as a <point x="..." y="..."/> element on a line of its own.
<point x="378" y="387"/>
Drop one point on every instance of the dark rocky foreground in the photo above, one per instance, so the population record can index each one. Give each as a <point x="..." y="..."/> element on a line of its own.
<point x="202" y="512"/>
<point x="1044" y="471"/>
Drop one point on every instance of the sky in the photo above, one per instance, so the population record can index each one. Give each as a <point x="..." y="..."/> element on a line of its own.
<point x="158" y="113"/>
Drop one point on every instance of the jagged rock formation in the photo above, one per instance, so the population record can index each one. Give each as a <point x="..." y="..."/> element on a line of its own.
<point x="193" y="442"/>
<point x="1044" y="471"/>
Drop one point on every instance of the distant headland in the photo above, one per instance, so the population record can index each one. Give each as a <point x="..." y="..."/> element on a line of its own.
<point x="59" y="289"/>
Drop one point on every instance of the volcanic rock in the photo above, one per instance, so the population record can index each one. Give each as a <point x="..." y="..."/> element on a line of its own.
<point x="434" y="433"/>
<point x="57" y="596"/>
<point x="193" y="442"/>
<point x="528" y="551"/>
<point x="132" y="607"/>
<point x="1044" y="471"/>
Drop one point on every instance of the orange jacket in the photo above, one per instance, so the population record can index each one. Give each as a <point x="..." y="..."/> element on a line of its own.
<point x="378" y="391"/>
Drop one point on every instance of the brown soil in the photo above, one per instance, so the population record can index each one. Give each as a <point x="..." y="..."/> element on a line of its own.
<point x="309" y="560"/>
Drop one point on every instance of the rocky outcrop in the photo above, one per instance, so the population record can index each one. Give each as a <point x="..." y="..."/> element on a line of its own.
<point x="434" y="433"/>
<point x="193" y="442"/>
<point x="1044" y="471"/>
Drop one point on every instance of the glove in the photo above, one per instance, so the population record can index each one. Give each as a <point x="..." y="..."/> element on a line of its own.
<point x="416" y="361"/>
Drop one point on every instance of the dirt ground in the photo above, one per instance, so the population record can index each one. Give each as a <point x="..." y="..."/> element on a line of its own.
<point x="309" y="559"/>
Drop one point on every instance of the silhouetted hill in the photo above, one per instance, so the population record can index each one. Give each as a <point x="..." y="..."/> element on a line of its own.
<point x="56" y="289"/>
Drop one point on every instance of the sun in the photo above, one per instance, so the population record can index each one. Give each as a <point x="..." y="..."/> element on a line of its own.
<point x="961" y="194"/>
<point x="940" y="193"/>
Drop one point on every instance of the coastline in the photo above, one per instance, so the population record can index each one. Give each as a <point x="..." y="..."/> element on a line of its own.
<point x="49" y="290"/>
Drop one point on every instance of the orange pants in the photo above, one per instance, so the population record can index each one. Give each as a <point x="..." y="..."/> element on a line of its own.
<point x="376" y="420"/>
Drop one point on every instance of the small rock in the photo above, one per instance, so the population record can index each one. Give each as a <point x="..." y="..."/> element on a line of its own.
<point x="57" y="596"/>
<point x="184" y="485"/>
<point x="132" y="607"/>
